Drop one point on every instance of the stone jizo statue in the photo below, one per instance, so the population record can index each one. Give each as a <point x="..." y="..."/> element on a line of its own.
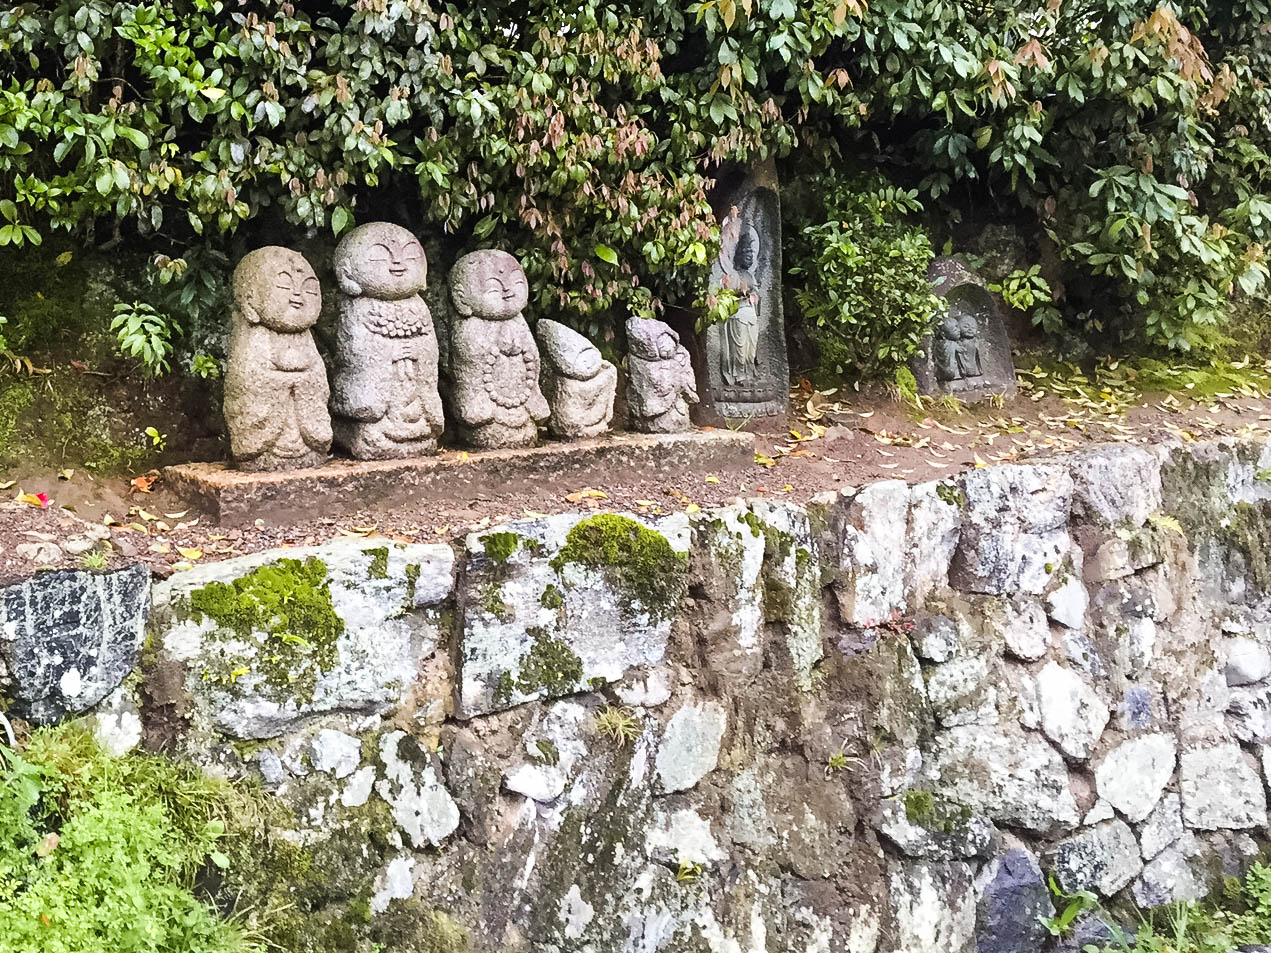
<point x="956" y="346"/>
<point x="384" y="402"/>
<point x="275" y="382"/>
<point x="494" y="362"/>
<point x="661" y="384"/>
<point x="578" y="382"/>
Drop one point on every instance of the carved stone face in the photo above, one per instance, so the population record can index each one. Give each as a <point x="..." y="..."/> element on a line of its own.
<point x="381" y="260"/>
<point x="276" y="287"/>
<point x="489" y="284"/>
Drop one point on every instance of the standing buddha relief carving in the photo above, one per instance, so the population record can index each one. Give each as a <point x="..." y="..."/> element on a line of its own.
<point x="384" y="402"/>
<point x="275" y="381"/>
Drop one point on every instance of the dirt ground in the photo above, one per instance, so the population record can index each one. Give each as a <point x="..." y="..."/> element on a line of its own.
<point x="828" y="441"/>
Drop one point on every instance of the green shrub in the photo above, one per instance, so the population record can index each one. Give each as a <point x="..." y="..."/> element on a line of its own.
<point x="100" y="855"/>
<point x="858" y="273"/>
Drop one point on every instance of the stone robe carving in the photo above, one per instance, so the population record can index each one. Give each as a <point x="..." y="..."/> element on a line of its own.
<point x="661" y="384"/>
<point x="969" y="353"/>
<point x="494" y="362"/>
<point x="579" y="384"/>
<point x="747" y="367"/>
<point x="384" y="402"/>
<point x="275" y="382"/>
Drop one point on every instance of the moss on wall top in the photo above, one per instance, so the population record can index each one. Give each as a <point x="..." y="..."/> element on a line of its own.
<point x="637" y="561"/>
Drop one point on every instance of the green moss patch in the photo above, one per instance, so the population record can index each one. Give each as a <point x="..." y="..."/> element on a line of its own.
<point x="379" y="562"/>
<point x="499" y="547"/>
<point x="637" y="562"/>
<point x="928" y="810"/>
<point x="550" y="666"/>
<point x="283" y="608"/>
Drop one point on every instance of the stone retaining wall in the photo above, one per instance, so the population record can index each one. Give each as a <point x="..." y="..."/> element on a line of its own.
<point x="868" y="724"/>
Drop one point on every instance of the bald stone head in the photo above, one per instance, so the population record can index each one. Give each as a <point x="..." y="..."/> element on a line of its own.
<point x="276" y="287"/>
<point x="489" y="284"/>
<point x="381" y="260"/>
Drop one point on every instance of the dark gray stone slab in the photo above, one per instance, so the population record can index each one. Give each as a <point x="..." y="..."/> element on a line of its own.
<point x="968" y="354"/>
<point x="747" y="366"/>
<point x="1013" y="896"/>
<point x="67" y="639"/>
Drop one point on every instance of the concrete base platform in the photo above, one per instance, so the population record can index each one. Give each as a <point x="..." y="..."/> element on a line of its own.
<point x="235" y="497"/>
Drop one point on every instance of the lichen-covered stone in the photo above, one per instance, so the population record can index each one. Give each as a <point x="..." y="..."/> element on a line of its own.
<point x="1163" y="827"/>
<point x="1132" y="775"/>
<point x="961" y="692"/>
<point x="1015" y="779"/>
<point x="1072" y="715"/>
<point x="1103" y="858"/>
<point x="577" y="603"/>
<point x="689" y="749"/>
<point x="1115" y="485"/>
<point x="422" y="807"/>
<point x="872" y="582"/>
<point x="67" y="639"/>
<point x="935" y="522"/>
<point x="926" y="826"/>
<point x="1170" y="878"/>
<point x="267" y="639"/>
<point x="933" y="906"/>
<point x="792" y="583"/>
<point x="1220" y="789"/>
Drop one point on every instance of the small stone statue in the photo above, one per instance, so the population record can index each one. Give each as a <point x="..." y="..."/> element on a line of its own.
<point x="579" y="383"/>
<point x="385" y="402"/>
<point x="661" y="384"/>
<point x="957" y="348"/>
<point x="494" y="361"/>
<point x="275" y="381"/>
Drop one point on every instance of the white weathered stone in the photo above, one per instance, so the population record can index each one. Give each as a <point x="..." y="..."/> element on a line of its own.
<point x="358" y="791"/>
<point x="961" y="693"/>
<point x="1163" y="827"/>
<point x="1020" y="626"/>
<point x="538" y="782"/>
<point x="1103" y="858"/>
<point x="1102" y="811"/>
<point x="1014" y="778"/>
<point x="395" y="882"/>
<point x="1249" y="713"/>
<point x="375" y="588"/>
<point x="1014" y="531"/>
<point x="336" y="753"/>
<point x="1220" y="790"/>
<point x="422" y="807"/>
<point x="935" y="638"/>
<point x="575" y="912"/>
<point x="1132" y="775"/>
<point x="933" y="906"/>
<point x="1115" y="484"/>
<point x="537" y="625"/>
<point x="1067" y="604"/>
<point x="116" y="724"/>
<point x="935" y="516"/>
<point x="1072" y="715"/>
<point x="943" y="831"/>
<point x="682" y="835"/>
<point x="689" y="749"/>
<point x="1169" y="878"/>
<point x="872" y="562"/>
<point x="1248" y="661"/>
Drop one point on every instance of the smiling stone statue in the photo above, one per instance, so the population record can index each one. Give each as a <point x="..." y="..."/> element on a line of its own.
<point x="493" y="358"/>
<point x="384" y="401"/>
<point x="275" y="381"/>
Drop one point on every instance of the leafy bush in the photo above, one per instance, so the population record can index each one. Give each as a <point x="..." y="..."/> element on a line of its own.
<point x="585" y="137"/>
<point x="859" y="276"/>
<point x="101" y="854"/>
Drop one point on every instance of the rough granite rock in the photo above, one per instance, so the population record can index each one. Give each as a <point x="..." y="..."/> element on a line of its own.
<point x="541" y="618"/>
<point x="933" y="905"/>
<point x="495" y="398"/>
<point x="1020" y="626"/>
<point x="67" y="639"/>
<point x="1013" y="900"/>
<point x="961" y="692"/>
<point x="1220" y="789"/>
<point x="1163" y="828"/>
<point x="353" y="637"/>
<point x="1115" y="485"/>
<point x="1014" y="534"/>
<point x="1072" y="715"/>
<point x="1103" y="858"/>
<point x="935" y="638"/>
<point x="384" y="399"/>
<point x="660" y="383"/>
<point x="935" y="521"/>
<point x="689" y="749"/>
<point x="923" y="826"/>
<point x="1132" y="775"/>
<point x="1248" y="660"/>
<point x="275" y="382"/>
<point x="1067" y="603"/>
<point x="872" y="582"/>
<point x="1169" y="877"/>
<point x="578" y="383"/>
<point x="1014" y="778"/>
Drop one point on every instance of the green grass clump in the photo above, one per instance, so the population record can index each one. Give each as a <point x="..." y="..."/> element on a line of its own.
<point x="101" y="854"/>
